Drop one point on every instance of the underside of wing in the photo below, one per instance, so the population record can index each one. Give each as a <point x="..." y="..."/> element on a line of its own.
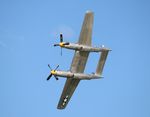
<point x="79" y="61"/>
<point x="68" y="90"/>
<point x="78" y="65"/>
<point x="86" y="31"/>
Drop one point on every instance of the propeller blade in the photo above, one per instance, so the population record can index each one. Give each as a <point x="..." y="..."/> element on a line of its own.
<point x="49" y="76"/>
<point x="56" y="68"/>
<point x="49" y="67"/>
<point x="61" y="51"/>
<point x="56" y="44"/>
<point x="61" y="38"/>
<point x="67" y="43"/>
<point x="56" y="78"/>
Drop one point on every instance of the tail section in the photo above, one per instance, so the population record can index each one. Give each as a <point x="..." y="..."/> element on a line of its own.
<point x="101" y="62"/>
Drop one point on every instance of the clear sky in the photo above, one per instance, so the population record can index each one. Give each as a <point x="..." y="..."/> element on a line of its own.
<point x="28" y="30"/>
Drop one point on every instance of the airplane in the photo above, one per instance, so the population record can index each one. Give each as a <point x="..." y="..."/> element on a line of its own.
<point x="82" y="49"/>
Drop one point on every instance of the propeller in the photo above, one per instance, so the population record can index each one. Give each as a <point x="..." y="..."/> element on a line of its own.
<point x="51" y="73"/>
<point x="61" y="43"/>
<point x="61" y="37"/>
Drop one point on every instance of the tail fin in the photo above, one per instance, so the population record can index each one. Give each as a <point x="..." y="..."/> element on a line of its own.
<point x="101" y="62"/>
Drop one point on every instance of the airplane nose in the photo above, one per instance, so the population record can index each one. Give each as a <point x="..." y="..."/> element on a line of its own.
<point x="61" y="44"/>
<point x="53" y="72"/>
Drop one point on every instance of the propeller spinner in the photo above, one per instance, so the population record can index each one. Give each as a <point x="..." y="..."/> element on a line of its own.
<point x="52" y="72"/>
<point x="61" y="44"/>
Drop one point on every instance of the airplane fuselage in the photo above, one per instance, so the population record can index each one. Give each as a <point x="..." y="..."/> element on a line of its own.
<point x="68" y="74"/>
<point x="79" y="47"/>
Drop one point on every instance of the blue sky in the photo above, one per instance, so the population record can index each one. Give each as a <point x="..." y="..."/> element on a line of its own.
<point x="28" y="29"/>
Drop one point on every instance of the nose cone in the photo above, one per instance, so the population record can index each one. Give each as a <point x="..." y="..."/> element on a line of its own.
<point x="61" y="44"/>
<point x="53" y="72"/>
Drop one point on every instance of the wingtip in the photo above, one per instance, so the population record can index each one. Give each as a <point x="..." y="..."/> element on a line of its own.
<point x="60" y="107"/>
<point x="89" y="12"/>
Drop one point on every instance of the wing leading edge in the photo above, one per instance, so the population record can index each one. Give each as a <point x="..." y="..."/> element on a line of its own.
<point x="79" y="61"/>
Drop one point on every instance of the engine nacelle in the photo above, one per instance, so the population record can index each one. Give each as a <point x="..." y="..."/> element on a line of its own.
<point x="79" y="47"/>
<point x="81" y="76"/>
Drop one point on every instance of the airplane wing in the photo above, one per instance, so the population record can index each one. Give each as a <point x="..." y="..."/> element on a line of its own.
<point x="79" y="61"/>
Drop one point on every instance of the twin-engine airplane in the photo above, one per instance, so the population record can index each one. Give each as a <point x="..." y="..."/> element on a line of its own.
<point x="82" y="50"/>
